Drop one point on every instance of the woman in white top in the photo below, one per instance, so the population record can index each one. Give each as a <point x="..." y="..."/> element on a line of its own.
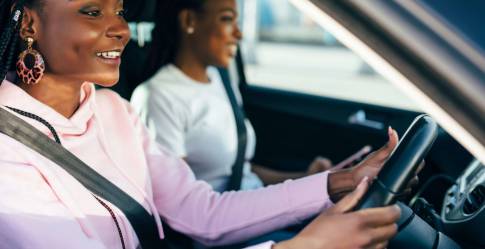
<point x="184" y="102"/>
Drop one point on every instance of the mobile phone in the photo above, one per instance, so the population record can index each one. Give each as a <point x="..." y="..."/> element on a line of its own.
<point x="353" y="158"/>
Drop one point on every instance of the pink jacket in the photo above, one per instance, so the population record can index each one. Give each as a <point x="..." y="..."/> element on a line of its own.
<point x="42" y="206"/>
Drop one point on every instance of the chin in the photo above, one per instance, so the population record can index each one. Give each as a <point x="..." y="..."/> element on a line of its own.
<point x="107" y="83"/>
<point x="223" y="63"/>
<point x="107" y="80"/>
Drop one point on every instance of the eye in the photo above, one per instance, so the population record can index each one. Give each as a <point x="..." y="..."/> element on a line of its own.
<point x="90" y="12"/>
<point x="227" y="18"/>
<point x="122" y="13"/>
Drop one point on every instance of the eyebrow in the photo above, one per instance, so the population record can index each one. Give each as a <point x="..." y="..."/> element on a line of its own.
<point x="119" y="1"/>
<point x="228" y="9"/>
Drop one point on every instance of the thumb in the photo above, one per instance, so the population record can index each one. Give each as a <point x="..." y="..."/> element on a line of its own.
<point x="393" y="139"/>
<point x="385" y="151"/>
<point x="350" y="200"/>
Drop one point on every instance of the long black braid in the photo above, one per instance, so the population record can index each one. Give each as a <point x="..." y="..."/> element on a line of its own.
<point x="11" y="14"/>
<point x="10" y="23"/>
<point x="166" y="34"/>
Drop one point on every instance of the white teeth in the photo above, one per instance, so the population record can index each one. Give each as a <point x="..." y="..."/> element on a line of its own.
<point x="109" y="54"/>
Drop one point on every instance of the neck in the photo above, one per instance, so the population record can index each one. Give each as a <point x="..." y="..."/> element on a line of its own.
<point x="60" y="94"/>
<point x="191" y="66"/>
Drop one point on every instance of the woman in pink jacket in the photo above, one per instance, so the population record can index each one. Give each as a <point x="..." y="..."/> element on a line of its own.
<point x="60" y="47"/>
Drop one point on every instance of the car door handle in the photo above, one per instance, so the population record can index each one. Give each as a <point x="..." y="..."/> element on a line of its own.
<point x="360" y="118"/>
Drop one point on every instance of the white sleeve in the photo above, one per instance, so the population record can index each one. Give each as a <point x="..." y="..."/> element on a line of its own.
<point x="166" y="119"/>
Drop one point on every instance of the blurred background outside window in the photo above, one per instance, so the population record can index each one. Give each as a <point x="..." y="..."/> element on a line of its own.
<point x="284" y="49"/>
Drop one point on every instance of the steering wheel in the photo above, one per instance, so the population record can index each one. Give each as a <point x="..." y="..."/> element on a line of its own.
<point x="402" y="165"/>
<point x="393" y="179"/>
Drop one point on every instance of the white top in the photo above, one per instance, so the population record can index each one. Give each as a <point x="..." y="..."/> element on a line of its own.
<point x="195" y="121"/>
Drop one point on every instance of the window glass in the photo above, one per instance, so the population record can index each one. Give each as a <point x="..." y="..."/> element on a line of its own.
<point x="284" y="49"/>
<point x="464" y="16"/>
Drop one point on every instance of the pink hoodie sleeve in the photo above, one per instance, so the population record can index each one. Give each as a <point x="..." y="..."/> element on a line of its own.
<point x="193" y="208"/>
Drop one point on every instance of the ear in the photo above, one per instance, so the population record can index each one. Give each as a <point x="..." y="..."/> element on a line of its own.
<point x="187" y="21"/>
<point x="30" y="24"/>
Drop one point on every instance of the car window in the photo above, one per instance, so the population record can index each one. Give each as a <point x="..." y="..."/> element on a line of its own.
<point x="465" y="17"/>
<point x="284" y="49"/>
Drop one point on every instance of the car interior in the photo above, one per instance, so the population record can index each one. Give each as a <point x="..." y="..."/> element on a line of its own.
<point x="292" y="128"/>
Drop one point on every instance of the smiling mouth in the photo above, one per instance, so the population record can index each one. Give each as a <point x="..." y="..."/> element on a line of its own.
<point x="111" y="55"/>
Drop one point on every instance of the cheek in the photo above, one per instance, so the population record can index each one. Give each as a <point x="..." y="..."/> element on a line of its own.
<point x="220" y="38"/>
<point x="224" y="33"/>
<point x="76" y="43"/>
<point x="83" y="45"/>
<point x="228" y="31"/>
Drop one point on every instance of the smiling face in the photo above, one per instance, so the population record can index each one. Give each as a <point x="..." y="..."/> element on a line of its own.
<point x="80" y="40"/>
<point x="216" y="32"/>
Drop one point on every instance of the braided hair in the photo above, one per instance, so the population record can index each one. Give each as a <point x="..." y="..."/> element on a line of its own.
<point x="11" y="14"/>
<point x="166" y="34"/>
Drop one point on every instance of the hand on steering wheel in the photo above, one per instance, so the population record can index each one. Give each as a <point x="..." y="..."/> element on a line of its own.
<point x="402" y="166"/>
<point x="372" y="225"/>
<point x="336" y="228"/>
<point x="373" y="163"/>
<point x="341" y="182"/>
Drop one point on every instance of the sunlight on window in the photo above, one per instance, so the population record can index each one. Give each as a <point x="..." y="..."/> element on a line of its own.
<point x="284" y="49"/>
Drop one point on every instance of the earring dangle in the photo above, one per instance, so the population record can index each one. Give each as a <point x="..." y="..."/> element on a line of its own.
<point x="30" y="64"/>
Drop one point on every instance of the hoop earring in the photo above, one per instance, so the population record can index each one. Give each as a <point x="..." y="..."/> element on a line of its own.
<point x="30" y="64"/>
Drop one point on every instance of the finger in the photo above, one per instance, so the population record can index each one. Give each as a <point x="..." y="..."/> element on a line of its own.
<point x="393" y="137"/>
<point x="325" y="163"/>
<point x="381" y="245"/>
<point x="341" y="195"/>
<point x="409" y="188"/>
<point x="381" y="235"/>
<point x="406" y="192"/>
<point x="414" y="182"/>
<point x="420" y="167"/>
<point x="350" y="200"/>
<point x="404" y="195"/>
<point x="380" y="216"/>
<point x="385" y="151"/>
<point x="391" y="144"/>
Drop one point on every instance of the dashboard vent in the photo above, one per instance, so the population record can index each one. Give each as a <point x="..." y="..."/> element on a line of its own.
<point x="475" y="200"/>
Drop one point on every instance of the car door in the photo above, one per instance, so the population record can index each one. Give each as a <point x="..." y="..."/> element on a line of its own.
<point x="306" y="94"/>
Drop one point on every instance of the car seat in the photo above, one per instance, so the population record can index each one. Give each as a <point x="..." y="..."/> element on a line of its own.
<point x="140" y="17"/>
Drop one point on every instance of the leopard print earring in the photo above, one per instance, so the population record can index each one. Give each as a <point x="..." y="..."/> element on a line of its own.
<point x="30" y="65"/>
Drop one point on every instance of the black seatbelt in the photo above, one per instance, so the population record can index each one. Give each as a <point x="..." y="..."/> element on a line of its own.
<point x="237" y="168"/>
<point x="142" y="222"/>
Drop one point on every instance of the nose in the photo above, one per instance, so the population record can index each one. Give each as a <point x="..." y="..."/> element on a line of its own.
<point x="119" y="30"/>
<point x="237" y="32"/>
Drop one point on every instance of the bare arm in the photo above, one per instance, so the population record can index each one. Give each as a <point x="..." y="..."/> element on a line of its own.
<point x="270" y="176"/>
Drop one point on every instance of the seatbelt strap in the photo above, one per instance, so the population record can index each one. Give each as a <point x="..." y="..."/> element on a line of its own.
<point x="142" y="222"/>
<point x="237" y="168"/>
